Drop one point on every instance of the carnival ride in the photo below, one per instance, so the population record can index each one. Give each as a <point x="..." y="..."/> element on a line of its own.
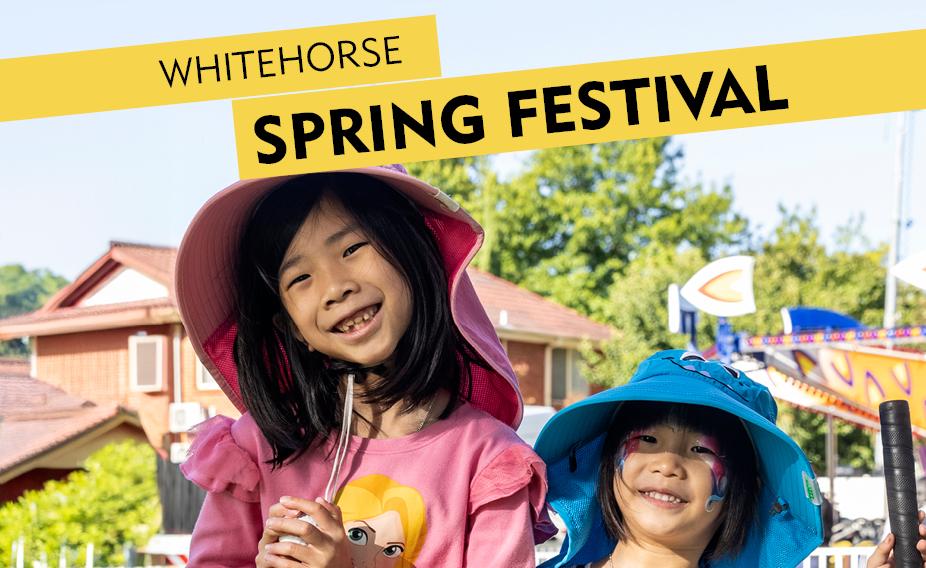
<point x="823" y="361"/>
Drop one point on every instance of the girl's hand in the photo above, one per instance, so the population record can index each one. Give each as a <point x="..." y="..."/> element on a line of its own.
<point x="883" y="556"/>
<point x="270" y="536"/>
<point x="326" y="545"/>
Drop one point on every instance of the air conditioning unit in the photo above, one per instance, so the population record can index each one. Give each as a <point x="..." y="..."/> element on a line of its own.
<point x="184" y="415"/>
<point x="179" y="451"/>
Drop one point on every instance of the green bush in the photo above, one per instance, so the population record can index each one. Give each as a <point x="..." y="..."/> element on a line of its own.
<point x="113" y="500"/>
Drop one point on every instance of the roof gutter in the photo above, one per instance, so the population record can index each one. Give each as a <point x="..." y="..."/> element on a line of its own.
<point x="91" y="322"/>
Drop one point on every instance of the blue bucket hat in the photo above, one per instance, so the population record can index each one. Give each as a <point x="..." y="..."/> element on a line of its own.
<point x="789" y="524"/>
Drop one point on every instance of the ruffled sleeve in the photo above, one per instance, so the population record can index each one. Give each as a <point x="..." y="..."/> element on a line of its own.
<point x="515" y="468"/>
<point x="219" y="465"/>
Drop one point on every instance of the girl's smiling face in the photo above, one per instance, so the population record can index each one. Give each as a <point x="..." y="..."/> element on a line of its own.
<point x="343" y="297"/>
<point x="666" y="482"/>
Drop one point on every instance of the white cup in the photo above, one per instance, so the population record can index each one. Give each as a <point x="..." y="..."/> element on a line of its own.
<point x="296" y="539"/>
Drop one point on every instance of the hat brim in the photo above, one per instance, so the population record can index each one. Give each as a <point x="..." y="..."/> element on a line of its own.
<point x="782" y="465"/>
<point x="205" y="278"/>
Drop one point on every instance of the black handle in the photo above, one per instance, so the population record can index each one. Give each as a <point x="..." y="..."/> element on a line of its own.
<point x="900" y="479"/>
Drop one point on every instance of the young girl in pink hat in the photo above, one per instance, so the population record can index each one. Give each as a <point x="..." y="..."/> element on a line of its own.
<point x="378" y="404"/>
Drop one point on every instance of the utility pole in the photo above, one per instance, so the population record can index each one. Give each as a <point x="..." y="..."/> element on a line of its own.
<point x="898" y="221"/>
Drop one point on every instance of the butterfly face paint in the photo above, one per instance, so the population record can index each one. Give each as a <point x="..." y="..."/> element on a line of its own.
<point x="630" y="445"/>
<point x="703" y="447"/>
<point x="715" y="460"/>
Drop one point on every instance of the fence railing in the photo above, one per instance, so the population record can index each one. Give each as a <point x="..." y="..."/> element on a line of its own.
<point x="83" y="557"/>
<point x="838" y="557"/>
<point x="823" y="557"/>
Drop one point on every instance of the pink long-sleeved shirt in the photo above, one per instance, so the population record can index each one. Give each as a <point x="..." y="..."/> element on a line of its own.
<point x="465" y="491"/>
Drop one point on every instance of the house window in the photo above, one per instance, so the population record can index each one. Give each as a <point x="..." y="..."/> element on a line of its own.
<point x="566" y="375"/>
<point x="146" y="362"/>
<point x="578" y="386"/>
<point x="559" y="368"/>
<point x="204" y="379"/>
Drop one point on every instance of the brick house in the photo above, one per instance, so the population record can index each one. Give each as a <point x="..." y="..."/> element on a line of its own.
<point x="542" y="339"/>
<point x="114" y="336"/>
<point x="46" y="433"/>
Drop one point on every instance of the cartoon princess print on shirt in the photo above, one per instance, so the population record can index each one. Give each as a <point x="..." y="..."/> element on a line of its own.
<point x="385" y="521"/>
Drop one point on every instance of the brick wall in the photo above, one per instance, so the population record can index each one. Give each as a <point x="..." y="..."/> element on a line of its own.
<point x="95" y="364"/>
<point x="528" y="362"/>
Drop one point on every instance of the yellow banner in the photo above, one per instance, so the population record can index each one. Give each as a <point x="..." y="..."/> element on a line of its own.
<point x="219" y="68"/>
<point x="868" y="378"/>
<point x="564" y="106"/>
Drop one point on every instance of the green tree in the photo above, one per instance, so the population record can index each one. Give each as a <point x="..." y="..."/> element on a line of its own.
<point x="23" y="291"/>
<point x="113" y="500"/>
<point x="605" y="229"/>
<point x="793" y="268"/>
<point x="638" y="312"/>
<point x="574" y="217"/>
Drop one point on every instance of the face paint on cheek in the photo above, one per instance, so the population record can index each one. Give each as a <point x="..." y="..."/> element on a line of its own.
<point x="630" y="445"/>
<point x="718" y="471"/>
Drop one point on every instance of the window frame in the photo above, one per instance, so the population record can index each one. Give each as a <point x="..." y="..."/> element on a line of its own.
<point x="203" y="384"/>
<point x="571" y="354"/>
<point x="160" y="343"/>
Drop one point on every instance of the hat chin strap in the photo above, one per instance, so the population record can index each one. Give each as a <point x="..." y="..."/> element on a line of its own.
<point x="343" y="440"/>
<point x="360" y="372"/>
<point x="339" y="454"/>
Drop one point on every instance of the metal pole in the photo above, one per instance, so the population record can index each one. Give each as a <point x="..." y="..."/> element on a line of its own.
<point x="890" y="288"/>
<point x="21" y="553"/>
<point x="831" y="461"/>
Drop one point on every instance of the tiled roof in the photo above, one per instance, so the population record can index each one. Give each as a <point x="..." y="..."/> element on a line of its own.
<point x="14" y="367"/>
<point x="82" y="311"/>
<point x="85" y="318"/>
<point x="36" y="417"/>
<point x="155" y="261"/>
<point x="528" y="312"/>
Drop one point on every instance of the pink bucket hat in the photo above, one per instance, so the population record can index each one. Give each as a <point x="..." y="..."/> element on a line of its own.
<point x="205" y="276"/>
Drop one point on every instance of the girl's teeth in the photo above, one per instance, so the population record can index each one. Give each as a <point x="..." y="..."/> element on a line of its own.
<point x="663" y="497"/>
<point x="358" y="320"/>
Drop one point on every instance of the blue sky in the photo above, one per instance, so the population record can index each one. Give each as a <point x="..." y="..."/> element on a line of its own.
<point x="68" y="185"/>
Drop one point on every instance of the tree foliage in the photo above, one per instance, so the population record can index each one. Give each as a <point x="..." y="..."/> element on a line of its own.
<point x="112" y="501"/>
<point x="573" y="218"/>
<point x="637" y="309"/>
<point x="23" y="291"/>
<point x="605" y="228"/>
<point x="793" y="268"/>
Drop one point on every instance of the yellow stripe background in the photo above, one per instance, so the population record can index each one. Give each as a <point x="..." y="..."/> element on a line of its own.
<point x="821" y="79"/>
<point x="126" y="77"/>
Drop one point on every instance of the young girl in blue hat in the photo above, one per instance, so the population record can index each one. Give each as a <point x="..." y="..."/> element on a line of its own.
<point x="682" y="466"/>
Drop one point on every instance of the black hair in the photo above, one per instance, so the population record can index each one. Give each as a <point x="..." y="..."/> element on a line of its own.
<point x="735" y="445"/>
<point x="294" y="394"/>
